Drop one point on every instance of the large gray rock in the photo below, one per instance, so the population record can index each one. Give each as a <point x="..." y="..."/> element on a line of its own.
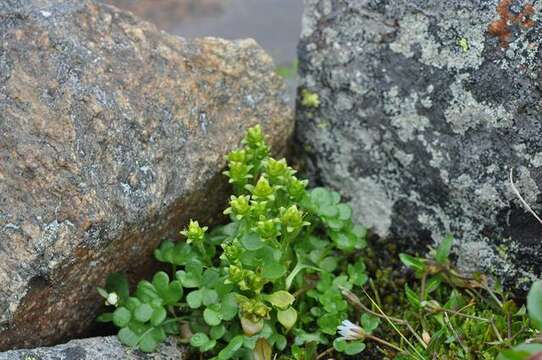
<point x="422" y="114"/>
<point x="113" y="134"/>
<point x="98" y="348"/>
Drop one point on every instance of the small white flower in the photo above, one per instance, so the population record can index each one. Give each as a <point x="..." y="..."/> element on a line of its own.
<point x="350" y="331"/>
<point x="112" y="299"/>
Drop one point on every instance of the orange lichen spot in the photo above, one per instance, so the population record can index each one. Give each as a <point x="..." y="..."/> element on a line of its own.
<point x="501" y="28"/>
<point x="524" y="17"/>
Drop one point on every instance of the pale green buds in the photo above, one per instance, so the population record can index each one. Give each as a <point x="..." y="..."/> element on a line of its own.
<point x="194" y="233"/>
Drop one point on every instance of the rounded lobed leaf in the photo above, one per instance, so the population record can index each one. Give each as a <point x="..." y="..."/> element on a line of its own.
<point x="121" y="316"/>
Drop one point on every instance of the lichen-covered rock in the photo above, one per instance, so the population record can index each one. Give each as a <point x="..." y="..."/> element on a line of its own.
<point x="112" y="135"/>
<point x="418" y="110"/>
<point x="95" y="349"/>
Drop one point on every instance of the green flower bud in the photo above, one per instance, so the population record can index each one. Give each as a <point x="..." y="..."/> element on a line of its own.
<point x="239" y="206"/>
<point x="194" y="233"/>
<point x="235" y="274"/>
<point x="254" y="137"/>
<point x="267" y="229"/>
<point x="232" y="252"/>
<point x="276" y="168"/>
<point x="261" y="310"/>
<point x="262" y="190"/>
<point x="238" y="172"/>
<point x="259" y="209"/>
<point x="292" y="219"/>
<point x="253" y="309"/>
<point x="237" y="156"/>
<point x="255" y="282"/>
<point x="296" y="188"/>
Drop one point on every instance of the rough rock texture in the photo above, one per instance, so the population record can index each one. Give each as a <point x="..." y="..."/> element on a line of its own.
<point x="98" y="348"/>
<point x="112" y="135"/>
<point x="422" y="115"/>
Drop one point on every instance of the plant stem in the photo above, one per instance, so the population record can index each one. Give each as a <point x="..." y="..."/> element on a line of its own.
<point x="327" y="351"/>
<point x="384" y="342"/>
<point x="395" y="327"/>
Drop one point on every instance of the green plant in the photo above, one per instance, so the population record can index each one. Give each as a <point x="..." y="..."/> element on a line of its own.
<point x="532" y="348"/>
<point x="267" y="281"/>
<point x="448" y="315"/>
<point x="309" y="99"/>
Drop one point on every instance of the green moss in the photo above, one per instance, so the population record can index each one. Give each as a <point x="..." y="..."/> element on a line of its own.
<point x="309" y="99"/>
<point x="463" y="44"/>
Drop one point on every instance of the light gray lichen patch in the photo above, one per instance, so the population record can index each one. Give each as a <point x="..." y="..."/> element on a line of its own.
<point x="375" y="209"/>
<point x="404" y="116"/>
<point x="465" y="112"/>
<point x="442" y="50"/>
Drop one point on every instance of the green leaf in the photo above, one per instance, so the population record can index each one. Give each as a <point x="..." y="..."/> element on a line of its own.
<point x="206" y="347"/>
<point x="281" y="299"/>
<point x="328" y="264"/>
<point x="128" y="337"/>
<point x="146" y="291"/>
<point x="443" y="251"/>
<point x="369" y="322"/>
<point x="148" y="343"/>
<point x="210" y="278"/>
<point x="174" y="293"/>
<point x="345" y="212"/>
<point x="117" y="282"/>
<point x="121" y="316"/>
<point x="217" y="332"/>
<point x="209" y="296"/>
<point x="432" y="284"/>
<point x="158" y="316"/>
<point x="163" y="253"/>
<point x="357" y="273"/>
<point x="339" y="344"/>
<point x="412" y="297"/>
<point x="105" y="317"/>
<point x="188" y="280"/>
<point x="273" y="270"/>
<point x="229" y="307"/>
<point x="413" y="263"/>
<point x="329" y="322"/>
<point x="194" y="299"/>
<point x="160" y="281"/>
<point x="320" y="197"/>
<point x="191" y="277"/>
<point x="143" y="312"/>
<point x="334" y="224"/>
<point x="252" y="241"/>
<point x="212" y="315"/>
<point x="199" y="339"/>
<point x="521" y="352"/>
<point x="132" y="303"/>
<point x="354" y="347"/>
<point x="534" y="304"/>
<point x="229" y="351"/>
<point x="328" y="210"/>
<point x="287" y="317"/>
<point x="279" y="341"/>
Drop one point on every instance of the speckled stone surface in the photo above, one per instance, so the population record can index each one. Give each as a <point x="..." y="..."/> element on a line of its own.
<point x="112" y="134"/>
<point x="422" y="116"/>
<point x="98" y="348"/>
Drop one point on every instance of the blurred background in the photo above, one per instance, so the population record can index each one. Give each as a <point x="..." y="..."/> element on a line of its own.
<point x="274" y="24"/>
